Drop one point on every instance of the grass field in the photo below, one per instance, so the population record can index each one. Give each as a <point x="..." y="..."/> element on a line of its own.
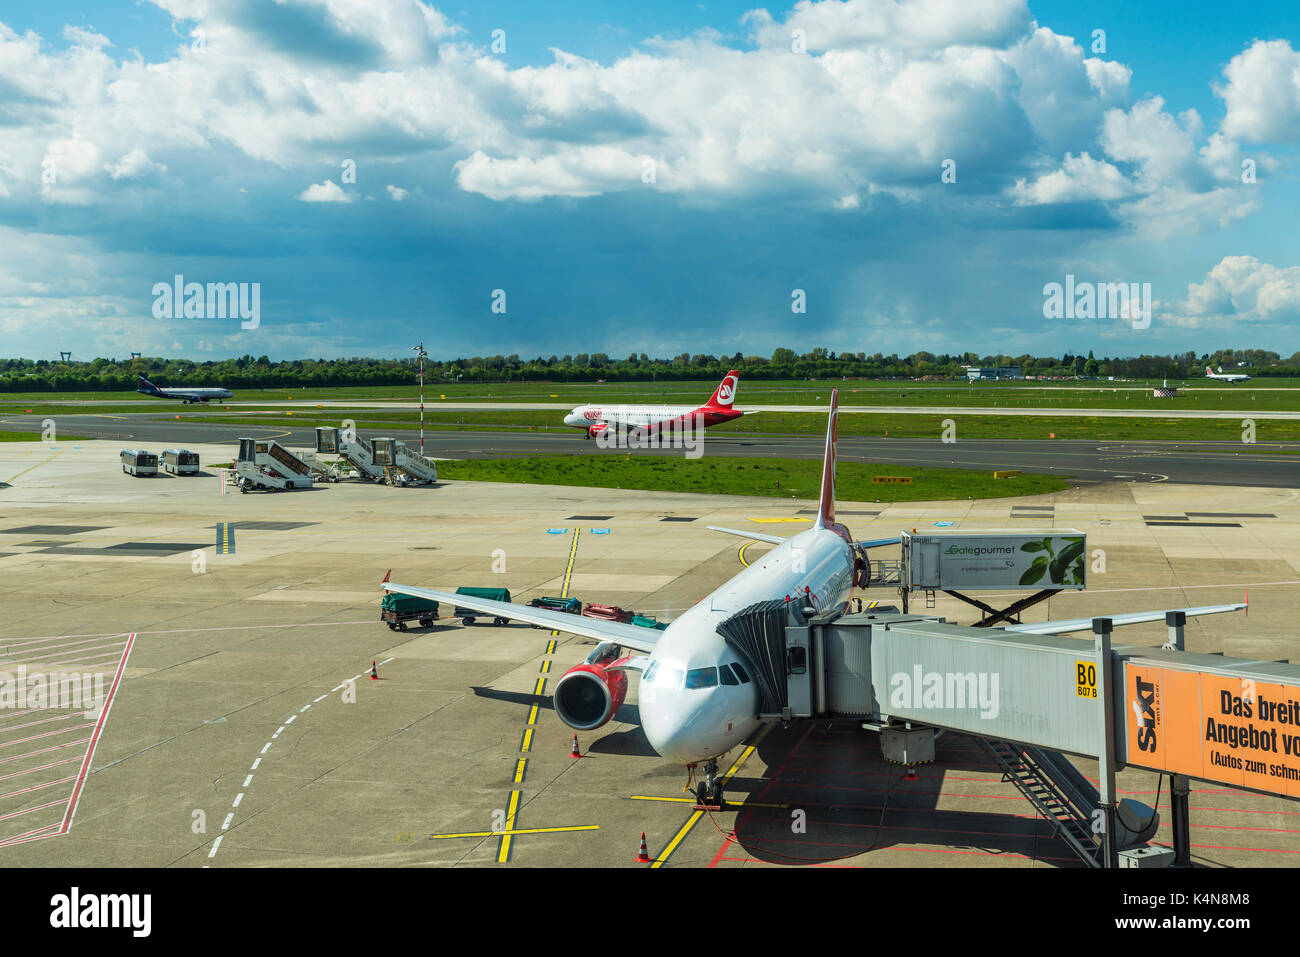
<point x="33" y="437"/>
<point x="900" y="425"/>
<point x="1271" y="395"/>
<point x="775" y="478"/>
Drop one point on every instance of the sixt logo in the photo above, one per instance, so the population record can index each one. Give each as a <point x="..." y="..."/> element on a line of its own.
<point x="727" y="391"/>
<point x="1144" y="709"/>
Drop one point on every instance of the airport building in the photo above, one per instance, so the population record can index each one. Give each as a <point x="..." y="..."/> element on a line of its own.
<point x="974" y="373"/>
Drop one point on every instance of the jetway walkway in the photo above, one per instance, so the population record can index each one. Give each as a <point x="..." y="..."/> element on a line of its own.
<point x="1030" y="699"/>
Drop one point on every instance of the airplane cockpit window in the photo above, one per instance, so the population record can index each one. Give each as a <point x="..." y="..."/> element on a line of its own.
<point x="669" y="677"/>
<point x="701" y="678"/>
<point x="740" y="673"/>
<point x="724" y="671"/>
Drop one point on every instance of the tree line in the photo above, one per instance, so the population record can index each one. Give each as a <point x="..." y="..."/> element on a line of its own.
<point x="247" y="372"/>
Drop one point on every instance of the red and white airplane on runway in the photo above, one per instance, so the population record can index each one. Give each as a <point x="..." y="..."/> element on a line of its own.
<point x="697" y="697"/>
<point x="1225" y="376"/>
<point x="655" y="418"/>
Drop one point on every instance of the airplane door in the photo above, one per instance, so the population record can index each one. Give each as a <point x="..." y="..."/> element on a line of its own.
<point x="799" y="671"/>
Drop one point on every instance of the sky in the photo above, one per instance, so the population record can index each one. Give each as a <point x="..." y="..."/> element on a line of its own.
<point x="548" y="178"/>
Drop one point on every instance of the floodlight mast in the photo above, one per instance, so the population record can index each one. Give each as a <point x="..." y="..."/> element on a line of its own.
<point x="421" y="355"/>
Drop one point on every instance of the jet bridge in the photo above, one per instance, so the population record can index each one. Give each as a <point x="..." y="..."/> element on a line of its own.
<point x="1029" y="700"/>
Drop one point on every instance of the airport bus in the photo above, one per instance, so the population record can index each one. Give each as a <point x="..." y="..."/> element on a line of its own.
<point x="139" y="462"/>
<point x="180" y="461"/>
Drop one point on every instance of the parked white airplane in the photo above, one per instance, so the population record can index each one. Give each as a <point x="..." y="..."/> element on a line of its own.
<point x="652" y="418"/>
<point x="1225" y="376"/>
<point x="697" y="697"/>
<point x="186" y="394"/>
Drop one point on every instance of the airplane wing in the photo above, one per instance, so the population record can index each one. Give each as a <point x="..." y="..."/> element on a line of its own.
<point x="878" y="541"/>
<point x="756" y="536"/>
<point x="636" y="637"/>
<point x="1063" y="625"/>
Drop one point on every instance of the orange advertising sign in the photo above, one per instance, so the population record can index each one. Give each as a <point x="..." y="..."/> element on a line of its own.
<point x="1235" y="730"/>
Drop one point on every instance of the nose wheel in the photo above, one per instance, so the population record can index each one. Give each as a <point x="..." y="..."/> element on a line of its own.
<point x="708" y="793"/>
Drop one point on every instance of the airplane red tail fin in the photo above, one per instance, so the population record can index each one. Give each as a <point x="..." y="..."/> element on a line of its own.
<point x="724" y="396"/>
<point x="826" y="508"/>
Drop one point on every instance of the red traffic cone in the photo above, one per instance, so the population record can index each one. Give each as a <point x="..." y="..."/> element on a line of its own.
<point x="575" y="753"/>
<point x="374" y="673"/>
<point x="911" y="774"/>
<point x="643" y="855"/>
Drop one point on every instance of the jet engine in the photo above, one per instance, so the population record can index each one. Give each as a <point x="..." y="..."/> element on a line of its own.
<point x="589" y="694"/>
<point x="595" y="431"/>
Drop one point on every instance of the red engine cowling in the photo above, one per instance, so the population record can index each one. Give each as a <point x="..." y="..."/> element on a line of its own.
<point x="595" y="431"/>
<point x="588" y="695"/>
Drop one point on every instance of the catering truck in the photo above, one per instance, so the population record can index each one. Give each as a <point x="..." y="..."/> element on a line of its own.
<point x="1000" y="560"/>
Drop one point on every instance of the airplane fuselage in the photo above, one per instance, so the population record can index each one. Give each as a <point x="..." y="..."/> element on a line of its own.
<point x="647" y="417"/>
<point x="188" y="395"/>
<point x="691" y="724"/>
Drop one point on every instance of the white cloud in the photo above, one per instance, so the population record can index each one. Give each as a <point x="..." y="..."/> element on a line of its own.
<point x="1262" y="93"/>
<point x="1241" y="289"/>
<point x="326" y="192"/>
<point x="901" y="24"/>
<point x="135" y="165"/>
<point x="1079" y="178"/>
<point x="396" y="193"/>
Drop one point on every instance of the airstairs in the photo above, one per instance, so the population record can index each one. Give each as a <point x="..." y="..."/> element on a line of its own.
<point x="268" y="465"/>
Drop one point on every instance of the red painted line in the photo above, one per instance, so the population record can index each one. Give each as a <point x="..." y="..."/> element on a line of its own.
<point x="17" y="838"/>
<point x="39" y="807"/>
<point x="35" y="787"/>
<point x="94" y="738"/>
<point x="29" y="754"/>
<point x="43" y="767"/>
<point x="32" y="724"/>
<point x="755" y="860"/>
<point x="772" y="780"/>
<point x="66" y="645"/>
<point x="47" y="734"/>
<point x="28" y="840"/>
<point x="933" y="828"/>
<point x="718" y="856"/>
<point x="110" y="655"/>
<point x="1226" y="847"/>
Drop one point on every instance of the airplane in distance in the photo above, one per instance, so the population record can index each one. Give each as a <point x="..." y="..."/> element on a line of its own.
<point x="655" y="418"/>
<point x="1225" y="376"/>
<point x="697" y="695"/>
<point x="187" y="395"/>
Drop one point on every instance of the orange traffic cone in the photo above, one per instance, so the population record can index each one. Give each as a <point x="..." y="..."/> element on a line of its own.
<point x="911" y="774"/>
<point x="374" y="673"/>
<point x="575" y="753"/>
<point x="643" y="855"/>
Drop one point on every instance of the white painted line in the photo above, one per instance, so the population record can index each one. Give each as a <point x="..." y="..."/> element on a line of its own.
<point x="386" y="661"/>
<point x="290" y="720"/>
<point x="320" y="699"/>
<point x="238" y="797"/>
<point x="215" y="844"/>
<point x="256" y="763"/>
<point x="303" y="708"/>
<point x="248" y="780"/>
<point x="264" y="750"/>
<point x="229" y="817"/>
<point x="339" y="687"/>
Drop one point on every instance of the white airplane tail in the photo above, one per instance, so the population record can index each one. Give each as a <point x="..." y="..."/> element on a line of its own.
<point x="826" y="507"/>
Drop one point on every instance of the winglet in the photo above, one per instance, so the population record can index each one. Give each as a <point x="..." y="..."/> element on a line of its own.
<point x="386" y="574"/>
<point x="826" y="508"/>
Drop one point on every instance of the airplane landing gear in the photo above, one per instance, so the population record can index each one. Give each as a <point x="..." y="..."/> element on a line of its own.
<point x="709" y="791"/>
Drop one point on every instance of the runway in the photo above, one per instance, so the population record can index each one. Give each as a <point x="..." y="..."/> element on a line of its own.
<point x="1195" y="463"/>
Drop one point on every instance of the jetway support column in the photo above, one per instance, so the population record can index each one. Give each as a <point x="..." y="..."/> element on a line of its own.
<point x="1179" y="785"/>
<point x="1101" y="629"/>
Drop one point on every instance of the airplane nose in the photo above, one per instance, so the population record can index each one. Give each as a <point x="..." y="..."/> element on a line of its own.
<point x="672" y="730"/>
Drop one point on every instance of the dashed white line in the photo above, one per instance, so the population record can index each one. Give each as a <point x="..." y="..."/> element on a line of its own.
<point x="290" y="720"/>
<point x="248" y="780"/>
<point x="264" y="750"/>
<point x="239" y="797"/>
<point x="225" y="824"/>
<point x="320" y="699"/>
<point x="303" y="708"/>
<point x="257" y="762"/>
<point x="215" y="844"/>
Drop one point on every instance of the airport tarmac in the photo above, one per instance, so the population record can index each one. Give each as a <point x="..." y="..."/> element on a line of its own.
<point x="244" y="731"/>
<point x="1211" y="463"/>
